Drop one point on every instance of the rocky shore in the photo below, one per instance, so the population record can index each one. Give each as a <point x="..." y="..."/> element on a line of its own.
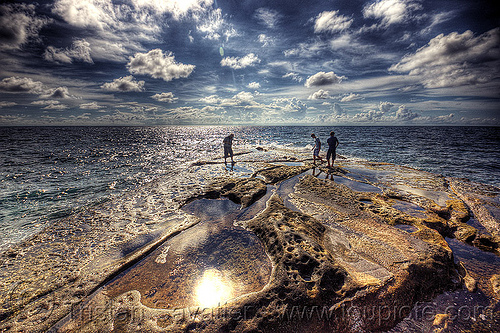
<point x="272" y="244"/>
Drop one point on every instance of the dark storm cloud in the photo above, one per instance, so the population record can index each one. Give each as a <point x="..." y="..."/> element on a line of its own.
<point x="19" y="23"/>
<point x="21" y="84"/>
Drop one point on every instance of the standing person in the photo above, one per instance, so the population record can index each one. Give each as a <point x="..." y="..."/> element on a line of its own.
<point x="333" y="143"/>
<point x="316" y="148"/>
<point x="228" y="148"/>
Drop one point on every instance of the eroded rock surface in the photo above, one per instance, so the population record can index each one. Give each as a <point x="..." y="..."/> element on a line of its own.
<point x="353" y="248"/>
<point x="274" y="174"/>
<point x="242" y="191"/>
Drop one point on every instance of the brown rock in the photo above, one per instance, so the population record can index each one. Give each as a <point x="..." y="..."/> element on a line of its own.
<point x="276" y="174"/>
<point x="245" y="191"/>
<point x="495" y="284"/>
<point x="241" y="191"/>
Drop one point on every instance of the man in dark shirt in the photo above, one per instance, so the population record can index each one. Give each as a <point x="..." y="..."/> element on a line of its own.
<point x="332" y="147"/>
<point x="228" y="147"/>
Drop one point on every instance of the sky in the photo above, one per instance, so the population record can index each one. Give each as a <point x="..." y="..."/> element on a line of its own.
<point x="249" y="62"/>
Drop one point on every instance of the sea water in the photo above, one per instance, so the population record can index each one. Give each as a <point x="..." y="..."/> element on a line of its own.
<point x="49" y="172"/>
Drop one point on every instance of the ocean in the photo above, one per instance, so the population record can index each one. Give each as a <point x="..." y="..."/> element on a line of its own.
<point x="50" y="172"/>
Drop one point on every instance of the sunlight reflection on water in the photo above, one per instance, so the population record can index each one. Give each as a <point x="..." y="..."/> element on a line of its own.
<point x="213" y="289"/>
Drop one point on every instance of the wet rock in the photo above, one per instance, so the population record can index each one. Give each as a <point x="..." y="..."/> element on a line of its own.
<point x="469" y="282"/>
<point x="441" y="319"/>
<point x="206" y="264"/>
<point x="482" y="201"/>
<point x="495" y="284"/>
<point x="464" y="233"/>
<point x="336" y="254"/>
<point x="241" y="191"/>
<point x="245" y="191"/>
<point x="375" y="253"/>
<point x="336" y="274"/>
<point x="276" y="174"/>
<point x="487" y="243"/>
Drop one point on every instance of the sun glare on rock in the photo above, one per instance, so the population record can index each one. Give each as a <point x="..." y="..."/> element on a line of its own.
<point x="212" y="289"/>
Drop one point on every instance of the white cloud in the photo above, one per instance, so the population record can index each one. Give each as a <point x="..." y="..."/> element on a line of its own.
<point x="391" y="11"/>
<point x="45" y="102"/>
<point x="59" y="92"/>
<point x="405" y="115"/>
<point x="115" y="29"/>
<point x="50" y="104"/>
<point x="112" y="31"/>
<point x="351" y="97"/>
<point x="213" y="26"/>
<point x="445" y="118"/>
<point x="385" y="107"/>
<point x="18" y="25"/>
<point x="104" y="14"/>
<point x="178" y="8"/>
<point x="192" y="115"/>
<point x="167" y="97"/>
<point x="289" y="108"/>
<point x="159" y="65"/>
<point x="212" y="99"/>
<point x="86" y="13"/>
<point x="267" y="17"/>
<point x="338" y="110"/>
<point x="286" y="65"/>
<point x="83" y="116"/>
<point x="244" y="96"/>
<point x="113" y="48"/>
<point x="383" y="113"/>
<point x="5" y="104"/>
<point x="307" y="50"/>
<point x="79" y="51"/>
<point x="349" y="44"/>
<point x="124" y="84"/>
<point x="254" y="85"/>
<point x="239" y="63"/>
<point x="55" y="107"/>
<point x="293" y="76"/>
<point x="453" y="48"/>
<point x="331" y="22"/>
<point x="320" y="94"/>
<point x="21" y="84"/>
<point x="455" y="59"/>
<point x="241" y="99"/>
<point x="437" y="19"/>
<point x="265" y="40"/>
<point x="322" y="79"/>
<point x="370" y="115"/>
<point x="90" y="106"/>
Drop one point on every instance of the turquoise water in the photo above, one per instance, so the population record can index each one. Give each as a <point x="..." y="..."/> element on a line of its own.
<point x="48" y="172"/>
